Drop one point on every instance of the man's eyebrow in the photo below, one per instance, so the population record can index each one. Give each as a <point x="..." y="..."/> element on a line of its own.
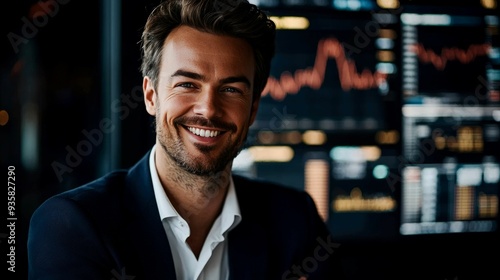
<point x="236" y="79"/>
<point x="187" y="74"/>
<point x="196" y="76"/>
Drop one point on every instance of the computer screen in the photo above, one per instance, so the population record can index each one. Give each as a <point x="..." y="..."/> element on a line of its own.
<point x="388" y="117"/>
<point x="326" y="121"/>
<point x="451" y="122"/>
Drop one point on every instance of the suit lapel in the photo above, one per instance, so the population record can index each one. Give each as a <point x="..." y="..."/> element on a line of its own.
<point x="152" y="254"/>
<point x="248" y="255"/>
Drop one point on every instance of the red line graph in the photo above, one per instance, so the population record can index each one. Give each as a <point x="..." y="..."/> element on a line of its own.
<point x="314" y="77"/>
<point x="449" y="54"/>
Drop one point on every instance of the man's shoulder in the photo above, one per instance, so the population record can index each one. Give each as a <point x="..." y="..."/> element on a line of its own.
<point x="104" y="196"/>
<point x="278" y="207"/>
<point x="264" y="195"/>
<point x="263" y="187"/>
<point x="101" y="188"/>
<point x="95" y="198"/>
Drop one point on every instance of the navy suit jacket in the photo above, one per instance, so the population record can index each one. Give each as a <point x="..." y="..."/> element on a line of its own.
<point x="111" y="229"/>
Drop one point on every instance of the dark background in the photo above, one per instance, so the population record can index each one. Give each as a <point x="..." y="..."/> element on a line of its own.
<point x="80" y="66"/>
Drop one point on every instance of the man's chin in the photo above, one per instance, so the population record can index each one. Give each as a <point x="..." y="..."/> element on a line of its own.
<point x="203" y="171"/>
<point x="203" y="167"/>
<point x="203" y="160"/>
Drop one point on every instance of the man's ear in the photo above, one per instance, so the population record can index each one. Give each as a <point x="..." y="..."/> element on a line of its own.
<point x="150" y="97"/>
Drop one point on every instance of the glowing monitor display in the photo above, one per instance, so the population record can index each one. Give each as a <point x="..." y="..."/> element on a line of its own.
<point x="450" y="169"/>
<point x="329" y="108"/>
<point x="450" y="158"/>
<point x="450" y="59"/>
<point x="332" y="72"/>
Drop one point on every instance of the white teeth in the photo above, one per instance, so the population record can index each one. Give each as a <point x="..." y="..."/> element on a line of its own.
<point x="204" y="132"/>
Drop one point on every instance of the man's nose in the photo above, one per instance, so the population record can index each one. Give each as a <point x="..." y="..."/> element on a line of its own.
<point x="207" y="103"/>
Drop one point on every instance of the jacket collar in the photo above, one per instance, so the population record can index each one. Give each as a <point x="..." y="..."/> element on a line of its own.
<point x="147" y="235"/>
<point x="247" y="242"/>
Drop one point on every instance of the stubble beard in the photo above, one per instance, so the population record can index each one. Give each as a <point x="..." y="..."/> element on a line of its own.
<point x="199" y="166"/>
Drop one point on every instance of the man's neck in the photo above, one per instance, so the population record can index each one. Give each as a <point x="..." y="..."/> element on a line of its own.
<point x="198" y="199"/>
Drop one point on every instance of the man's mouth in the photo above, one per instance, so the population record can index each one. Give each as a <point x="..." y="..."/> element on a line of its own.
<point x="204" y="132"/>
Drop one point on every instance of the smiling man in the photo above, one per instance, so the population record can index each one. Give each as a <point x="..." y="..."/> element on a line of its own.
<point x="180" y="213"/>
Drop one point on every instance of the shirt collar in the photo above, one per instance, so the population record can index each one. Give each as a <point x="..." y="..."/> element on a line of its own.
<point x="230" y="215"/>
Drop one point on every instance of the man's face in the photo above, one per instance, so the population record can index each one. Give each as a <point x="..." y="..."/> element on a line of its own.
<point x="203" y="104"/>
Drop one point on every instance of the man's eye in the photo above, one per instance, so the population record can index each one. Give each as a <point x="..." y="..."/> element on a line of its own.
<point x="185" y="85"/>
<point x="231" y="89"/>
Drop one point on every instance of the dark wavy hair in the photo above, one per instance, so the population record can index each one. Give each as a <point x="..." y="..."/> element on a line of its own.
<point x="235" y="18"/>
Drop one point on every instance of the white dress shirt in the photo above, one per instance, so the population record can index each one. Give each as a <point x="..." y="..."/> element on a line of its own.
<point x="213" y="259"/>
